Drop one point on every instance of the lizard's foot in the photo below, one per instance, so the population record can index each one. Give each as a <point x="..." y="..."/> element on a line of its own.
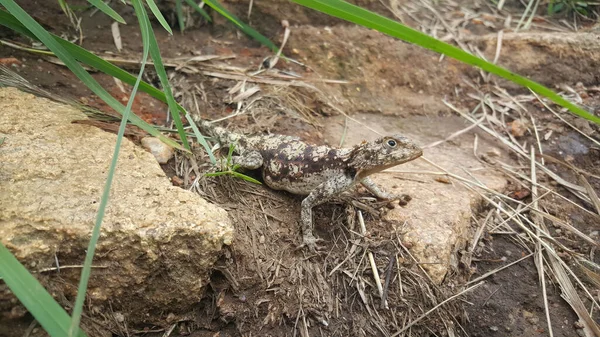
<point x="308" y="240"/>
<point x="403" y="199"/>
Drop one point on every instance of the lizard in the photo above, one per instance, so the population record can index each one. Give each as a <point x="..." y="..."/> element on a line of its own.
<point x="318" y="172"/>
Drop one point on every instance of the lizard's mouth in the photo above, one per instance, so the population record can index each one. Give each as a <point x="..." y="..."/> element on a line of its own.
<point x="363" y="173"/>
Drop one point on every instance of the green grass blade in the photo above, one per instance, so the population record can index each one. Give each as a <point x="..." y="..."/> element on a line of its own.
<point x="51" y="316"/>
<point x="230" y="155"/>
<point x="245" y="177"/>
<point x="158" y="15"/>
<point x="180" y="18"/>
<point x="94" y="61"/>
<point x="241" y="25"/>
<point x="82" y="55"/>
<point x="349" y="12"/>
<point x="216" y="174"/>
<point x="107" y="10"/>
<point x="199" y="9"/>
<point x="56" y="46"/>
<point x="89" y="257"/>
<point x="201" y="138"/>
<point x="164" y="81"/>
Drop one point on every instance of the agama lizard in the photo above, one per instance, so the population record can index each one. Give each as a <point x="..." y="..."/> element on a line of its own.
<point x="319" y="172"/>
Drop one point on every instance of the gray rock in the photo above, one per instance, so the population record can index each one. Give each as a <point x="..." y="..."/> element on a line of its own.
<point x="158" y="242"/>
<point x="436" y="223"/>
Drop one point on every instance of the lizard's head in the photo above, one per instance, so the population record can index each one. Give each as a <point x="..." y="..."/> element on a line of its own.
<point x="383" y="153"/>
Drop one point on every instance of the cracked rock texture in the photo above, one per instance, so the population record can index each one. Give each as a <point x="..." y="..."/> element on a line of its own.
<point x="157" y="243"/>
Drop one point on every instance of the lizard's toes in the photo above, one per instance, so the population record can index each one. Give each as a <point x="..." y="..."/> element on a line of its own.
<point x="310" y="242"/>
<point x="403" y="199"/>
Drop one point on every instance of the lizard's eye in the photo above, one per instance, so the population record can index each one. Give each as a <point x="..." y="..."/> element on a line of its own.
<point x="391" y="143"/>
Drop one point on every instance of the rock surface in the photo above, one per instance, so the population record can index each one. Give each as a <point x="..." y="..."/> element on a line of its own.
<point x="157" y="243"/>
<point x="436" y="223"/>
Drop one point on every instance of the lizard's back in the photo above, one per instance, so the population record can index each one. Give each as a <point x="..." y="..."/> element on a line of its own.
<point x="298" y="167"/>
<point x="288" y="163"/>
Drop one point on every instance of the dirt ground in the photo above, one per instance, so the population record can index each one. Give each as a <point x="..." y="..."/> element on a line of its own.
<point x="265" y="286"/>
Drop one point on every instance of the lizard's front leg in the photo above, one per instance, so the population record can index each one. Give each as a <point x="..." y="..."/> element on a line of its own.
<point x="321" y="194"/>
<point x="370" y="185"/>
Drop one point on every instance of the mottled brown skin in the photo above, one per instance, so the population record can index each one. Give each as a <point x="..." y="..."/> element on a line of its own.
<point x="319" y="172"/>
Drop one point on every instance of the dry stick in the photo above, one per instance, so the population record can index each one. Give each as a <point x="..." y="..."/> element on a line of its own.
<point x="539" y="260"/>
<point x="168" y="332"/>
<point x="564" y="121"/>
<point x="567" y="289"/>
<point x="388" y="277"/>
<point x="343" y="138"/>
<point x="507" y="168"/>
<point x="455" y="134"/>
<point x="409" y="325"/>
<point x="576" y="189"/>
<point x="580" y="174"/>
<point x="546" y="245"/>
<point x="497" y="194"/>
<point x="569" y="294"/>
<point x="518" y="213"/>
<point x="490" y="273"/>
<point x="363" y="230"/>
<point x="479" y="231"/>
<point x="537" y="137"/>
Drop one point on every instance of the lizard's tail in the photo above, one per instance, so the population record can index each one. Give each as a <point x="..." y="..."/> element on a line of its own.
<point x="206" y="127"/>
<point x="220" y="134"/>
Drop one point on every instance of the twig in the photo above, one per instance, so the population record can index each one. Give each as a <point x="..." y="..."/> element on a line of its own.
<point x="388" y="277"/>
<point x="488" y="274"/>
<point x="409" y="325"/>
<point x="538" y="248"/>
<point x="363" y="230"/>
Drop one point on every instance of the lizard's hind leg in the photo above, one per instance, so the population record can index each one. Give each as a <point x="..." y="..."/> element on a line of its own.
<point x="319" y="195"/>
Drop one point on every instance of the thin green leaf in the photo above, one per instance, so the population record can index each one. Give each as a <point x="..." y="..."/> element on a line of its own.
<point x="89" y="257"/>
<point x="349" y="12"/>
<point x="164" y="81"/>
<point x="235" y="175"/>
<point x="57" y="48"/>
<point x="158" y="15"/>
<point x="230" y="155"/>
<point x="200" y="138"/>
<point x="241" y="25"/>
<point x="216" y="174"/>
<point x="199" y="9"/>
<point x="245" y="177"/>
<point x="108" y="68"/>
<point x="180" y="18"/>
<point x="51" y="316"/>
<point x="82" y="55"/>
<point x="107" y="10"/>
<point x="558" y="7"/>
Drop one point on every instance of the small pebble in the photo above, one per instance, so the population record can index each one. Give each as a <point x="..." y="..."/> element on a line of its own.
<point x="161" y="151"/>
<point x="177" y="181"/>
<point x="119" y="317"/>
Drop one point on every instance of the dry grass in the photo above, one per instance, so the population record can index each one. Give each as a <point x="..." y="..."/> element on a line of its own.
<point x="346" y="284"/>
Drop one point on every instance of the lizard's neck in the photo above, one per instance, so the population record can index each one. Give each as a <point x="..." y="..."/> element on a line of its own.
<point x="365" y="160"/>
<point x="361" y="160"/>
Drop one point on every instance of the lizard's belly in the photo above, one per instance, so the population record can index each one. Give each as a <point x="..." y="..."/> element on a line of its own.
<point x="296" y="178"/>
